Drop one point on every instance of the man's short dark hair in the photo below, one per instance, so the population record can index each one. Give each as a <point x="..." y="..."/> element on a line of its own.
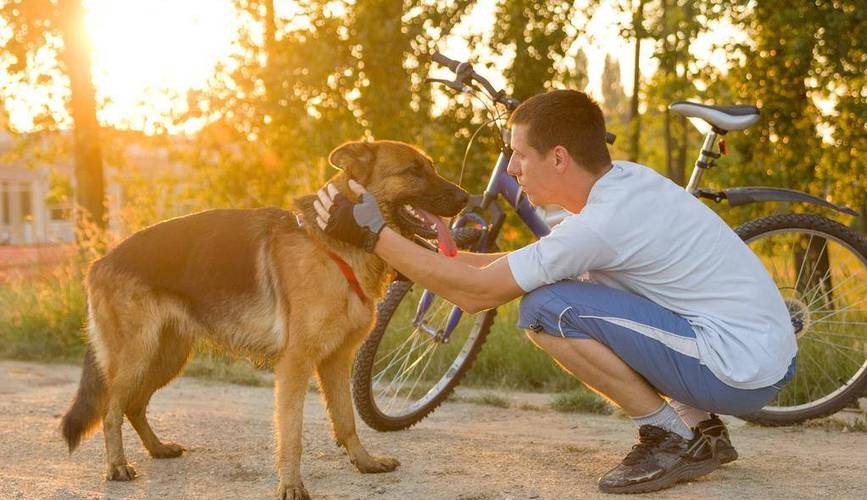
<point x="566" y="118"/>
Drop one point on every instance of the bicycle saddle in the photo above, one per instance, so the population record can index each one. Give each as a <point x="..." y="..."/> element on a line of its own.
<point x="722" y="117"/>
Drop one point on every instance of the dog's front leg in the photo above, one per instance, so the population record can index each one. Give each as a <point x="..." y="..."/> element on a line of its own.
<point x="333" y="373"/>
<point x="292" y="372"/>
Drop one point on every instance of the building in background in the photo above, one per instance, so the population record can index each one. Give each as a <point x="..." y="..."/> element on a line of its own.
<point x="26" y="215"/>
<point x="31" y="213"/>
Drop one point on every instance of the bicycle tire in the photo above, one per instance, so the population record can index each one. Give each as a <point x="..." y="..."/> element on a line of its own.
<point x="775" y="414"/>
<point x="363" y="390"/>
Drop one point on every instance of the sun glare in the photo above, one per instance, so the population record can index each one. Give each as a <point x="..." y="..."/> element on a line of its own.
<point x="145" y="53"/>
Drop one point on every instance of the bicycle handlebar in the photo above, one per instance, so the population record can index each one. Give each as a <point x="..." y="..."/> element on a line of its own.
<point x="445" y="61"/>
<point x="464" y="71"/>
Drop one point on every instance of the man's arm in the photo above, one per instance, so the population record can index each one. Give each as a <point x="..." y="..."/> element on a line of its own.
<point x="471" y="288"/>
<point x="479" y="259"/>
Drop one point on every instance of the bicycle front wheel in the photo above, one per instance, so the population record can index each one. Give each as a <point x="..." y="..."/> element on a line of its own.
<point x="820" y="268"/>
<point x="407" y="367"/>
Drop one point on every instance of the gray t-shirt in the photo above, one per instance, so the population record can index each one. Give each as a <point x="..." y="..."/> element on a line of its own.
<point x="641" y="233"/>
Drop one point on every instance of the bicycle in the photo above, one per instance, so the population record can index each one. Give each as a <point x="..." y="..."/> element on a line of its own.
<point x="422" y="345"/>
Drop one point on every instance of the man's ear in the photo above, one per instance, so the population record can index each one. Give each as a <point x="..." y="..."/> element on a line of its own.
<point x="560" y="158"/>
<point x="356" y="159"/>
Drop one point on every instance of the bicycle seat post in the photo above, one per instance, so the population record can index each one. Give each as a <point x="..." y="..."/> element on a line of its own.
<point x="705" y="161"/>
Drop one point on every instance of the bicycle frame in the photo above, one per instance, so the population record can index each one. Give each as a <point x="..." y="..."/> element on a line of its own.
<point x="500" y="184"/>
<point x="738" y="196"/>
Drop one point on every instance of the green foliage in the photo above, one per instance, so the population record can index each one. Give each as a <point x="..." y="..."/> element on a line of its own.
<point x="42" y="320"/>
<point x="581" y="400"/>
<point x="614" y="104"/>
<point x="535" y="32"/>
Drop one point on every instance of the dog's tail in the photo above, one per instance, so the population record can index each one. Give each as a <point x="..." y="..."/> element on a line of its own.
<point x="87" y="410"/>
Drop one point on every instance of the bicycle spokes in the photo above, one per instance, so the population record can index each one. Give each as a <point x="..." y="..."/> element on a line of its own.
<point x="824" y="285"/>
<point x="414" y="356"/>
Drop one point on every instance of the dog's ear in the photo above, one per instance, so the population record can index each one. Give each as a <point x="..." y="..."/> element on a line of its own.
<point x="356" y="159"/>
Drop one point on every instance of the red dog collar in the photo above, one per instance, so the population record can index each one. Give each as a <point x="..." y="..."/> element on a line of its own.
<point x="345" y="268"/>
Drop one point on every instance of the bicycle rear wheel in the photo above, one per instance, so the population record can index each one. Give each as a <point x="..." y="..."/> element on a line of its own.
<point x="820" y="268"/>
<point x="404" y="369"/>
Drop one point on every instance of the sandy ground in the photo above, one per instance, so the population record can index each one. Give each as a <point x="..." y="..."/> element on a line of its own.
<point x="464" y="451"/>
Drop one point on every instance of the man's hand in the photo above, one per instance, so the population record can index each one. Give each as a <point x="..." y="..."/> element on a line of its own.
<point x="358" y="224"/>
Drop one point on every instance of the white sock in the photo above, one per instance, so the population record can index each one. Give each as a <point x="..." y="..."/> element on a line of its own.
<point x="665" y="417"/>
<point x="691" y="416"/>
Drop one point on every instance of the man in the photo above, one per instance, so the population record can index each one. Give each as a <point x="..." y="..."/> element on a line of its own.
<point x="676" y="305"/>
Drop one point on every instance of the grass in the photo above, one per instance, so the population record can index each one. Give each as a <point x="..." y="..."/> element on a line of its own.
<point x="858" y="424"/>
<point x="486" y="399"/>
<point x="581" y="401"/>
<point x="42" y="319"/>
<point x="212" y="364"/>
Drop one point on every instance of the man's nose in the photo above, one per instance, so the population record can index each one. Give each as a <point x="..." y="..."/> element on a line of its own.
<point x="512" y="167"/>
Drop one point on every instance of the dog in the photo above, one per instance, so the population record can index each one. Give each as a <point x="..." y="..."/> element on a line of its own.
<point x="264" y="282"/>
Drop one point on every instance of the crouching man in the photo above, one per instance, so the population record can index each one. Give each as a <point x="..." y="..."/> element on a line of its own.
<point x="679" y="319"/>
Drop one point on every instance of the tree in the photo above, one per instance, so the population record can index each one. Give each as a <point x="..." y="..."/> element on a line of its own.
<point x="577" y="77"/>
<point x="635" y="118"/>
<point x="37" y="24"/>
<point x="785" y="149"/>
<point x="673" y="25"/>
<point x="535" y="31"/>
<point x="614" y="98"/>
<point x="840" y="74"/>
<point x="273" y="119"/>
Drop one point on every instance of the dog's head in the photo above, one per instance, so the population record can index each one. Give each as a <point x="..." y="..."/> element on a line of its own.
<point x="411" y="195"/>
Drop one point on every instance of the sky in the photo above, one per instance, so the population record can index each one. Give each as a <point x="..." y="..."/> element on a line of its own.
<point x="147" y="54"/>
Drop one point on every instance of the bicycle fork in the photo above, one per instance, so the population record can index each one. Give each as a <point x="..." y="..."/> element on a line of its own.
<point x="427" y="297"/>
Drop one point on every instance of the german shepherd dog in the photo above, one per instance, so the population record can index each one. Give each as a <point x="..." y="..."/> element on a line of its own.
<point x="263" y="282"/>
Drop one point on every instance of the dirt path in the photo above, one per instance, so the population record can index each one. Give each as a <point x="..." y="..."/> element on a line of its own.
<point x="462" y="451"/>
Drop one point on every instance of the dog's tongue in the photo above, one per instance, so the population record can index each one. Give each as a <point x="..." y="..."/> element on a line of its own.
<point x="444" y="236"/>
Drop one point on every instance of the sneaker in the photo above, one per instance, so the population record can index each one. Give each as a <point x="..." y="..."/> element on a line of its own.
<point x="716" y="433"/>
<point x="659" y="460"/>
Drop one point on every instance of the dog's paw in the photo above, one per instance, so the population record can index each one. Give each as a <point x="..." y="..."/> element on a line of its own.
<point x="373" y="465"/>
<point x="168" y="450"/>
<point x="293" y="492"/>
<point x="122" y="472"/>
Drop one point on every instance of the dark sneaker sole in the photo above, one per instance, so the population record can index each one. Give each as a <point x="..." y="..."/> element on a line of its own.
<point x="727" y="455"/>
<point x="684" y="473"/>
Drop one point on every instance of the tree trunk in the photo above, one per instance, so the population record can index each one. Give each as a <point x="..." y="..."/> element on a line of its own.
<point x="864" y="215"/>
<point x="669" y="70"/>
<point x="90" y="184"/>
<point x="813" y="272"/>
<point x="680" y="163"/>
<point x="669" y="149"/>
<point x="636" y="73"/>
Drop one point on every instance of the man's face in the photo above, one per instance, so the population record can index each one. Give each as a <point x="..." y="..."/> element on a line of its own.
<point x="533" y="170"/>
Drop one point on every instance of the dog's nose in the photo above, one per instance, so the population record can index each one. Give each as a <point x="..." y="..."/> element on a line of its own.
<point x="462" y="197"/>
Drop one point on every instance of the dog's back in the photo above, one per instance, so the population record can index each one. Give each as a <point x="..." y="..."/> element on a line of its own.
<point x="201" y="275"/>
<point x="203" y="258"/>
